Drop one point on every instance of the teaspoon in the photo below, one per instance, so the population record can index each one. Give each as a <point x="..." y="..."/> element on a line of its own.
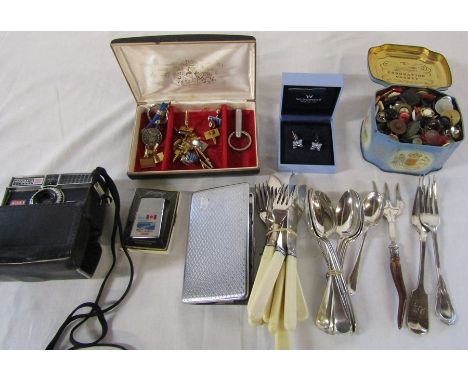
<point x="372" y="206"/>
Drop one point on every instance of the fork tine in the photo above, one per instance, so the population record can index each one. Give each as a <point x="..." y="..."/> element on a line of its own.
<point x="429" y="206"/>
<point x="374" y="186"/>
<point x="261" y="196"/>
<point x="416" y="201"/>
<point x="422" y="197"/>
<point x="272" y="192"/>
<point x="434" y="196"/>
<point x="427" y="195"/>
<point x="397" y="193"/>
<point x="421" y="186"/>
<point x="280" y="195"/>
<point x="284" y="194"/>
<point x="386" y="192"/>
<point x="278" y="190"/>
<point x="288" y="194"/>
<point x="265" y="194"/>
<point x="257" y="197"/>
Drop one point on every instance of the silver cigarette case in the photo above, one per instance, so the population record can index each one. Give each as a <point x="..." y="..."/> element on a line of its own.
<point x="218" y="249"/>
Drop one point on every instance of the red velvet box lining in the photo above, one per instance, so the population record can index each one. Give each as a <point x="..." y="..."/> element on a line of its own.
<point x="220" y="154"/>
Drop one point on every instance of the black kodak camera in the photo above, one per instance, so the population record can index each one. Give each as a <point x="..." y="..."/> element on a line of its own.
<point x="50" y="226"/>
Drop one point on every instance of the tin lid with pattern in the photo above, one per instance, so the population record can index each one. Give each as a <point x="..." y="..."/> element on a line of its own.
<point x="392" y="64"/>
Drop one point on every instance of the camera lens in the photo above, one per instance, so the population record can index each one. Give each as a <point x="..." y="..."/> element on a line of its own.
<point x="47" y="195"/>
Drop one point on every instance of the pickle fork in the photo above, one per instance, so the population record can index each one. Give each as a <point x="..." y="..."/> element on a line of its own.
<point x="391" y="212"/>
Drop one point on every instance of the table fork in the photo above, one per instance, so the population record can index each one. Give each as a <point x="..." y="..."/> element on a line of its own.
<point x="418" y="317"/>
<point x="430" y="219"/>
<point x="261" y="292"/>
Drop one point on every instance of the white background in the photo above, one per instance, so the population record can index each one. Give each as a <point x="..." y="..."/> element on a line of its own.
<point x="244" y="16"/>
<point x="65" y="107"/>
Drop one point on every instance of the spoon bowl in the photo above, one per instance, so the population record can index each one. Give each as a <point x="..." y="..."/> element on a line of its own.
<point x="321" y="214"/>
<point x="373" y="207"/>
<point x="349" y="220"/>
<point x="344" y="215"/>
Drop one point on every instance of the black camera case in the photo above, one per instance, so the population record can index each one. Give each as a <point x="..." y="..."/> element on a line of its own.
<point x="52" y="240"/>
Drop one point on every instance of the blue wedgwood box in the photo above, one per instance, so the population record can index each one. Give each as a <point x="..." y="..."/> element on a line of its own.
<point x="308" y="102"/>
<point x="409" y="66"/>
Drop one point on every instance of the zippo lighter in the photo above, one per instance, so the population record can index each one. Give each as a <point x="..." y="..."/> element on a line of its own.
<point x="147" y="224"/>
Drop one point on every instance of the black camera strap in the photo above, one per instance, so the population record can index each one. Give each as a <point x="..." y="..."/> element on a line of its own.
<point x="95" y="309"/>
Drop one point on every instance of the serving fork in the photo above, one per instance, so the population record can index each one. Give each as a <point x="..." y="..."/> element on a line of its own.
<point x="430" y="219"/>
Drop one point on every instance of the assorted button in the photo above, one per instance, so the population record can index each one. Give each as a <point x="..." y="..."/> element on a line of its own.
<point x="418" y="116"/>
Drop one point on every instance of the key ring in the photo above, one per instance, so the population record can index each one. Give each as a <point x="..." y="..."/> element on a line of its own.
<point x="239" y="132"/>
<point x="247" y="135"/>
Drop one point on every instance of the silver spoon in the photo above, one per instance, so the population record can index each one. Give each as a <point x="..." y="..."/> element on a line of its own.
<point x="349" y="221"/>
<point x="373" y="206"/>
<point x="344" y="228"/>
<point x="321" y="221"/>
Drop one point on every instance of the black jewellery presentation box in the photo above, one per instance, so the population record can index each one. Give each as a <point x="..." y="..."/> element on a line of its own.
<point x="195" y="104"/>
<point x="306" y="135"/>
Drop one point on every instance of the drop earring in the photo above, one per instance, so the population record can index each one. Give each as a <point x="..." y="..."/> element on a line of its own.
<point x="316" y="144"/>
<point x="296" y="142"/>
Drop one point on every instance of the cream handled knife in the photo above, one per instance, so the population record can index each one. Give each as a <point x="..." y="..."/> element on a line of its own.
<point x="290" y="294"/>
<point x="265" y="284"/>
<point x="277" y="304"/>
<point x="302" y="309"/>
<point x="264" y="263"/>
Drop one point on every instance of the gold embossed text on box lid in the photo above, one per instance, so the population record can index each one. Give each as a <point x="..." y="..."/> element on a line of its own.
<point x="392" y="64"/>
<point x="188" y="67"/>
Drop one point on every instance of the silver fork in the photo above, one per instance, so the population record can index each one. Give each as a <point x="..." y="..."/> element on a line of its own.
<point x="265" y="194"/>
<point x="391" y="213"/>
<point x="430" y="219"/>
<point x="262" y="192"/>
<point x="418" y="314"/>
<point x="264" y="285"/>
